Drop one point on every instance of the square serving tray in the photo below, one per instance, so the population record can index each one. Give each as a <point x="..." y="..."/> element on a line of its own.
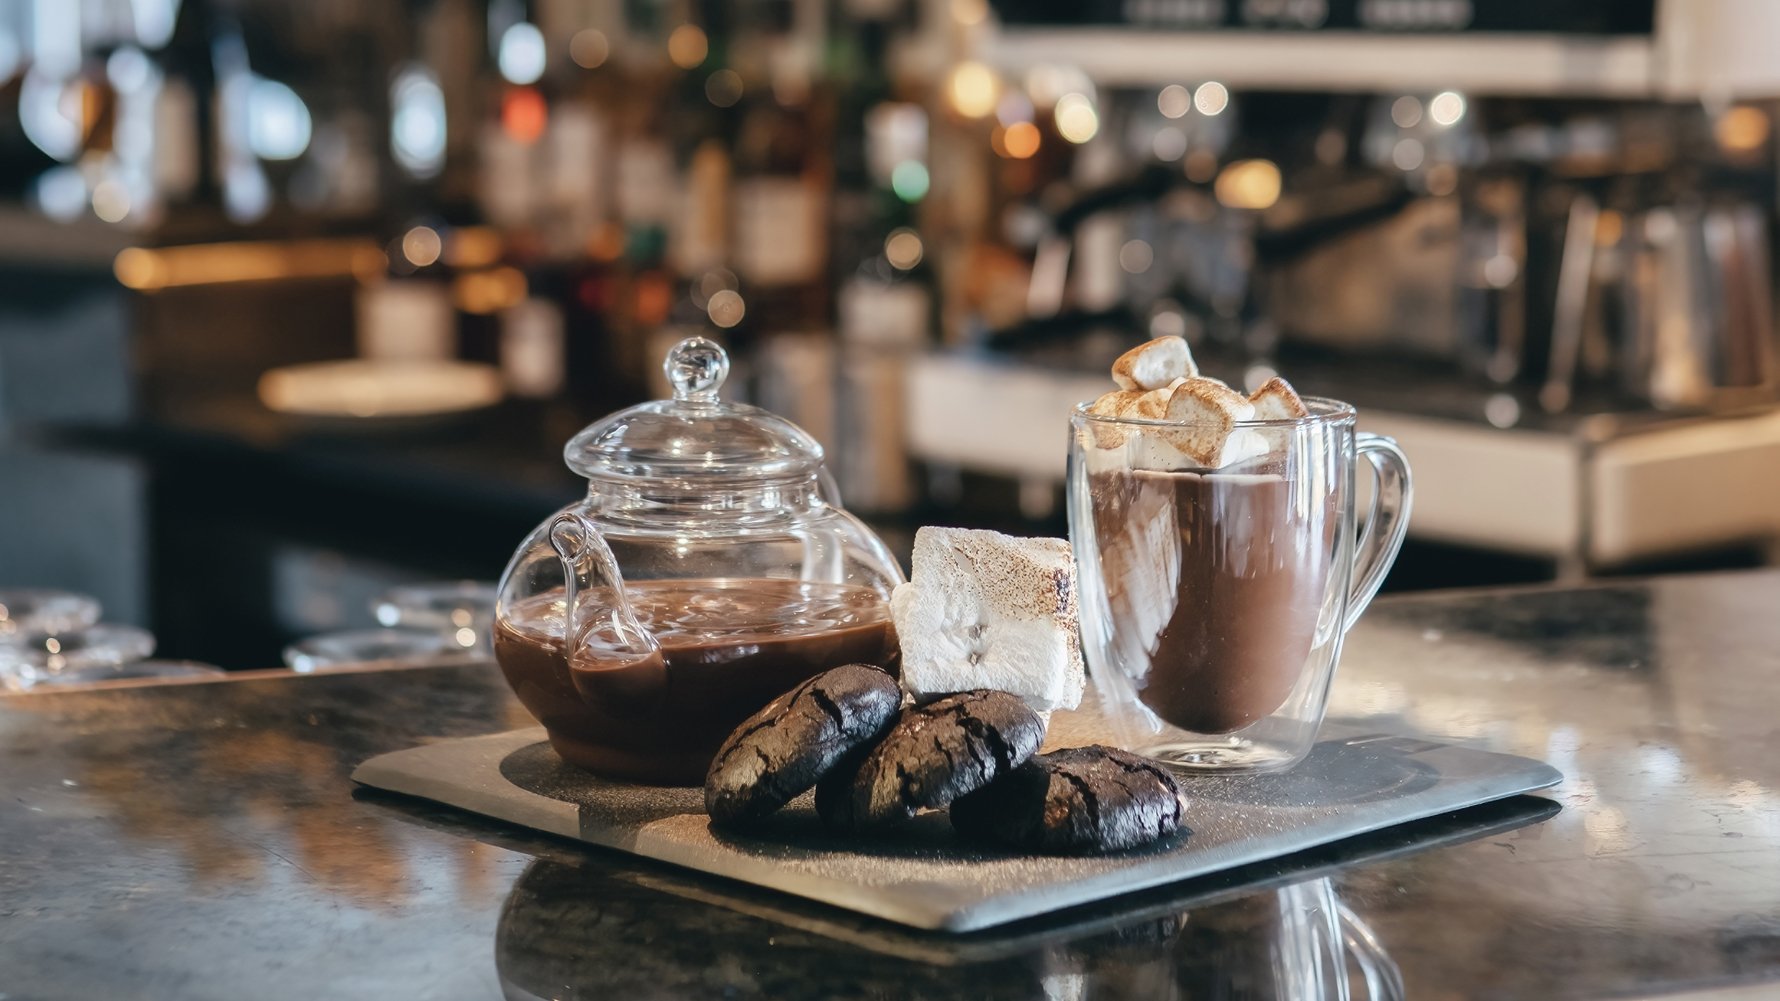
<point x="921" y="875"/>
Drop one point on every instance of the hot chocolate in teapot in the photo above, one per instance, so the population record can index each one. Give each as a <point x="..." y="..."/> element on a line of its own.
<point x="709" y="569"/>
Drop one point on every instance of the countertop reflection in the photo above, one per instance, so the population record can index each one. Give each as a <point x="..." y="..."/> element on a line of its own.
<point x="203" y="841"/>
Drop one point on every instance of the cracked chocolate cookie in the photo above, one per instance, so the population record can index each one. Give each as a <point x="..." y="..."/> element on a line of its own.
<point x="1077" y="801"/>
<point x="784" y="748"/>
<point x="934" y="754"/>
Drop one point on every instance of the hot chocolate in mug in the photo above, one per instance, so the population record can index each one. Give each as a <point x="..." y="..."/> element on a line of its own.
<point x="1214" y="601"/>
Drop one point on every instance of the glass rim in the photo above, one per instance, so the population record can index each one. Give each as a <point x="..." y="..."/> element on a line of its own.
<point x="1323" y="410"/>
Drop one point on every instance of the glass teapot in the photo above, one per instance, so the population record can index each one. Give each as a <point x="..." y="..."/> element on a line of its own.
<point x="709" y="569"/>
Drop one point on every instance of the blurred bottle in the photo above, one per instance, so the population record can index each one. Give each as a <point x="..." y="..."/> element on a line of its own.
<point x="406" y="317"/>
<point x="781" y="192"/>
<point x="532" y="349"/>
<point x="884" y="304"/>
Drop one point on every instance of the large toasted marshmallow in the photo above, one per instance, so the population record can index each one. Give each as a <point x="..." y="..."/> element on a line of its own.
<point x="1155" y="364"/>
<point x="986" y="610"/>
<point x="1208" y="411"/>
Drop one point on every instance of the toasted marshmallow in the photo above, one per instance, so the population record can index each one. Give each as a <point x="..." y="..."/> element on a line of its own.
<point x="1123" y="403"/>
<point x="1155" y="402"/>
<point x="1210" y="410"/>
<point x="1154" y="365"/>
<point x="1130" y="403"/>
<point x="986" y="610"/>
<point x="1277" y="401"/>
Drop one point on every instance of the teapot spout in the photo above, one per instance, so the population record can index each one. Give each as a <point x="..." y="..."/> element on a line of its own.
<point x="599" y="623"/>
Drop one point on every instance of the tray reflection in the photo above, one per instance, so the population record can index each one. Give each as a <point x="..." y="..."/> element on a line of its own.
<point x="583" y="929"/>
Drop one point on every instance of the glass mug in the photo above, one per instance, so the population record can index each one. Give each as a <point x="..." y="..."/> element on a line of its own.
<point x="1214" y="602"/>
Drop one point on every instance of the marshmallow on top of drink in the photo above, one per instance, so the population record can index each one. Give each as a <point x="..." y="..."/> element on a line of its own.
<point x="1159" y="382"/>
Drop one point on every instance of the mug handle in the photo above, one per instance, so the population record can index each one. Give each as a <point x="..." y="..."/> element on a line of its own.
<point x="1381" y="535"/>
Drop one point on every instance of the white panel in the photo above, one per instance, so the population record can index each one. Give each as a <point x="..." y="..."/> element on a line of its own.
<point x="1719" y="48"/>
<point x="1689" y="487"/>
<point x="1518" y="491"/>
<point x="1001" y="419"/>
<point x="1353" y="61"/>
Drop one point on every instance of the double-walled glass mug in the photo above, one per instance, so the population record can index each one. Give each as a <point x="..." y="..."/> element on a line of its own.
<point x="1214" y="601"/>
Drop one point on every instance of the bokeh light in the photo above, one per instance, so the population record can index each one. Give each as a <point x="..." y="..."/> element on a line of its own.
<point x="111" y="201"/>
<point x="417" y="121"/>
<point x="1249" y="184"/>
<point x="422" y="246"/>
<point x="1136" y="256"/>
<point x="903" y="249"/>
<point x="1408" y="154"/>
<point x="1742" y="129"/>
<point x="724" y="88"/>
<point x="909" y="180"/>
<point x="1020" y="140"/>
<point x="589" y="48"/>
<point x="1174" y="101"/>
<point x="1076" y="119"/>
<point x="522" y="55"/>
<point x="278" y="124"/>
<point x="61" y="193"/>
<point x="1211" y="98"/>
<point x="726" y="308"/>
<point x="973" y="90"/>
<point x="1446" y="108"/>
<point x="524" y="114"/>
<point x="1406" y="111"/>
<point x="1169" y="144"/>
<point x="687" y="46"/>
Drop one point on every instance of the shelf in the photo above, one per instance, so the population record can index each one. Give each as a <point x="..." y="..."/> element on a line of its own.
<point x="1544" y="65"/>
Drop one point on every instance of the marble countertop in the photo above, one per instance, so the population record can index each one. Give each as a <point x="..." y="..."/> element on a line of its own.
<point x="201" y="841"/>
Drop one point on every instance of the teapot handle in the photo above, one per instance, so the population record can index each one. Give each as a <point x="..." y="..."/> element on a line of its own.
<point x="587" y="563"/>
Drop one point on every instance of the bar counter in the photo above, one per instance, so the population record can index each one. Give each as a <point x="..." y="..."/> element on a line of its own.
<point x="202" y="841"/>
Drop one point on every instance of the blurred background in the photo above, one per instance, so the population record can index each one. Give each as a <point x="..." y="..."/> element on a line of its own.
<point x="299" y="301"/>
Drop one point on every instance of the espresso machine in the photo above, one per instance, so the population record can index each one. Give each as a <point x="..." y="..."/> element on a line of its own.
<point x="1532" y="241"/>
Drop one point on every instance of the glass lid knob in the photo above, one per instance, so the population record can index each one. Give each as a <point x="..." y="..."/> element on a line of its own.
<point x="696" y="368"/>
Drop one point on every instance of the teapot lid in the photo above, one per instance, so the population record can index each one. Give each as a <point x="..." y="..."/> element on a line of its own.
<point x="694" y="437"/>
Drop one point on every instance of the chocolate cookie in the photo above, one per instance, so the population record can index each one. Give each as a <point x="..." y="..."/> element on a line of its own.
<point x="1078" y="801"/>
<point x="934" y="754"/>
<point x="784" y="748"/>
